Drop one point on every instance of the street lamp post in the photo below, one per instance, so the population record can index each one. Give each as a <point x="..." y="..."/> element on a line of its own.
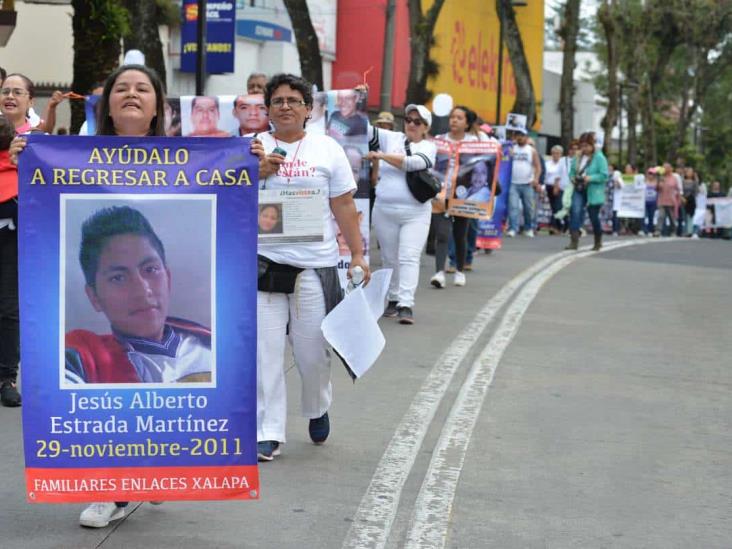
<point x="201" y="49"/>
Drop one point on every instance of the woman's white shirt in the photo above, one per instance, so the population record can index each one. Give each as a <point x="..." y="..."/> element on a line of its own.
<point x="392" y="188"/>
<point x="557" y="170"/>
<point x="314" y="162"/>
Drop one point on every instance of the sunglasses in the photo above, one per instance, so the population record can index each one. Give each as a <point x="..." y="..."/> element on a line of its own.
<point x="415" y="121"/>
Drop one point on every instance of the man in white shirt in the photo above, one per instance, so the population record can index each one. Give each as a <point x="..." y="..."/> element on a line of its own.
<point x="525" y="171"/>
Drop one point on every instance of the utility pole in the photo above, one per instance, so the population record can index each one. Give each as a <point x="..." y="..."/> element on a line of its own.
<point x="201" y="49"/>
<point x="387" y="73"/>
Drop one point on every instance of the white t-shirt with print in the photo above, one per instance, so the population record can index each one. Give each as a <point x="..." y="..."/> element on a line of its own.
<point x="314" y="162"/>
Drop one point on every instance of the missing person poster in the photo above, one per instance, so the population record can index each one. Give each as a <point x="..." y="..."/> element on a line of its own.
<point x="138" y="305"/>
<point x="290" y="215"/>
<point x="476" y="179"/>
<point x="341" y="114"/>
<point x="490" y="231"/>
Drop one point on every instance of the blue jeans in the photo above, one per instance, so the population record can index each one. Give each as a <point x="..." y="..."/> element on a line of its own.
<point x="650" y="213"/>
<point x="472" y="240"/>
<point x="516" y="195"/>
<point x="577" y="213"/>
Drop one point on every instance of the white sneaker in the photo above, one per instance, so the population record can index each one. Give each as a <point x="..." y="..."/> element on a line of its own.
<point x="510" y="233"/>
<point x="438" y="279"/>
<point x="529" y="233"/>
<point x="695" y="236"/>
<point x="99" y="515"/>
<point x="459" y="279"/>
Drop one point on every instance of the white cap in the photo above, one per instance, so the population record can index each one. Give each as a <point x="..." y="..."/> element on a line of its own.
<point x="134" y="57"/>
<point x="424" y="112"/>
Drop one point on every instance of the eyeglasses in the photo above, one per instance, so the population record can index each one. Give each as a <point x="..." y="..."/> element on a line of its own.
<point x="17" y="92"/>
<point x="292" y="102"/>
<point x="415" y="121"/>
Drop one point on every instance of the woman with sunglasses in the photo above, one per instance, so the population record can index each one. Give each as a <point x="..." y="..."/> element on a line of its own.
<point x="401" y="221"/>
<point x="298" y="283"/>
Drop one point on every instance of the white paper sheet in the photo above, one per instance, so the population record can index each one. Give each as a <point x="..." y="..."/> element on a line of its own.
<point x="352" y="327"/>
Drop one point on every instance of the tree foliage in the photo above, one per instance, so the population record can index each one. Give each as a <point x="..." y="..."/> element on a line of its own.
<point x="422" y="66"/>
<point x="308" y="46"/>
<point x="671" y="56"/>
<point x="97" y="26"/>
<point x="568" y="31"/>
<point x="525" y="96"/>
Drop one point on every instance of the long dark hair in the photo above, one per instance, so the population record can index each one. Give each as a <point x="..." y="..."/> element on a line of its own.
<point x="105" y="125"/>
<point x="470" y="115"/>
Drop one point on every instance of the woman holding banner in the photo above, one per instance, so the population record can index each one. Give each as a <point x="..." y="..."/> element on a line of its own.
<point x="16" y="100"/>
<point x="588" y="175"/>
<point x="461" y="120"/>
<point x="132" y="104"/>
<point x="400" y="220"/>
<point x="298" y="281"/>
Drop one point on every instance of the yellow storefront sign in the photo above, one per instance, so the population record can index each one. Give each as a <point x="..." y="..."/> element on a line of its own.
<point x="466" y="50"/>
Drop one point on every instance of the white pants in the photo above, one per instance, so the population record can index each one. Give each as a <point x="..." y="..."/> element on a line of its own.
<point x="304" y="310"/>
<point x="402" y="233"/>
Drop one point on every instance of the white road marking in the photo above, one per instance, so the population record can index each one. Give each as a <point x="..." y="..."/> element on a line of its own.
<point x="428" y="528"/>
<point x="375" y="515"/>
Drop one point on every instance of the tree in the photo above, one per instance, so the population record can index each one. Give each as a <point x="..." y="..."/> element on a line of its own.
<point x="607" y="19"/>
<point x="706" y="56"/>
<point x="308" y="46"/>
<point x="525" y="97"/>
<point x="568" y="32"/>
<point x="145" y="16"/>
<point x="98" y="26"/>
<point x="421" y="27"/>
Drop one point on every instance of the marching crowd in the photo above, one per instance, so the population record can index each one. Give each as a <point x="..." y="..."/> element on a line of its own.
<point x="298" y="283"/>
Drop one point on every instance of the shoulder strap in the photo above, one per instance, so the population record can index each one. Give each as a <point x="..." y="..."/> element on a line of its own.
<point x="406" y="147"/>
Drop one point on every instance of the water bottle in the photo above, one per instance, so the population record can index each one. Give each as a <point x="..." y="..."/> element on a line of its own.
<point x="356" y="279"/>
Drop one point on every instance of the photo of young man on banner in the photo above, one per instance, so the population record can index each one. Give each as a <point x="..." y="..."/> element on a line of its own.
<point x="138" y="339"/>
<point x="148" y="333"/>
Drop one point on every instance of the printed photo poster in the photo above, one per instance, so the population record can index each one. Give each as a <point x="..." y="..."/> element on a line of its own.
<point x="490" y="231"/>
<point x="172" y="117"/>
<point x="721" y="209"/>
<point x="631" y="197"/>
<point x="445" y="157"/>
<point x="290" y="216"/>
<point x="341" y="114"/>
<point x="543" y="210"/>
<point x="138" y="342"/>
<point x="208" y="116"/>
<point x="475" y="181"/>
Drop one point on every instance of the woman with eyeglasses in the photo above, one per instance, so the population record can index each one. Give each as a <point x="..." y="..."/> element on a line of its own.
<point x="16" y="99"/>
<point x="298" y="281"/>
<point x="400" y="220"/>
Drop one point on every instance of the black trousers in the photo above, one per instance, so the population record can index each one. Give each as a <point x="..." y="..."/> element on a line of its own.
<point x="9" y="316"/>
<point x="443" y="226"/>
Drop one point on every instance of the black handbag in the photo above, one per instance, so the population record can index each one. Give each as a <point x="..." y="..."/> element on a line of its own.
<point x="422" y="184"/>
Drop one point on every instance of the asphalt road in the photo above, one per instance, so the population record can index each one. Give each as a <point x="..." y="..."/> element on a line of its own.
<point x="584" y="403"/>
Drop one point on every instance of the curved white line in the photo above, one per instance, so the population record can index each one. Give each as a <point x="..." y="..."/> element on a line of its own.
<point x="430" y="519"/>
<point x="375" y="514"/>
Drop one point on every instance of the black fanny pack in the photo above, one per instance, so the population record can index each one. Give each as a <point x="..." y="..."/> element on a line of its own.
<point x="276" y="277"/>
